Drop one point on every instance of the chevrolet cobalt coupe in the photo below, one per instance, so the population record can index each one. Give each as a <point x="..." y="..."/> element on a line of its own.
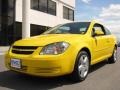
<point x="65" y="49"/>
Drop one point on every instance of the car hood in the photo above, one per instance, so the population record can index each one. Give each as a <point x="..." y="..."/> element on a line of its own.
<point x="43" y="40"/>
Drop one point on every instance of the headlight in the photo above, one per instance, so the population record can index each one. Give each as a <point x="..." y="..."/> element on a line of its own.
<point x="54" y="48"/>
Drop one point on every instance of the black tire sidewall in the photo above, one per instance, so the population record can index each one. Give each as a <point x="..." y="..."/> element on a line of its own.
<point x="76" y="71"/>
<point x="111" y="59"/>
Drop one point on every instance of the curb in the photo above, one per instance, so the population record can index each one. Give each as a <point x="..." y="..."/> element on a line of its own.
<point x="2" y="53"/>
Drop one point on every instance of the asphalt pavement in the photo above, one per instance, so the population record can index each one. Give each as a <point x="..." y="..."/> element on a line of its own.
<point x="102" y="76"/>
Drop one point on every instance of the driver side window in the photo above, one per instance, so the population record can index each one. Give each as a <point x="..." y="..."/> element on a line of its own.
<point x="98" y="30"/>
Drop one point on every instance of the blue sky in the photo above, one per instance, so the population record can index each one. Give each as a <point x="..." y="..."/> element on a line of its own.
<point x="91" y="9"/>
<point x="105" y="11"/>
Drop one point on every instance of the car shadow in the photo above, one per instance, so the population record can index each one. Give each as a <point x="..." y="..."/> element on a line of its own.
<point x="100" y="65"/>
<point x="12" y="80"/>
<point x="17" y="81"/>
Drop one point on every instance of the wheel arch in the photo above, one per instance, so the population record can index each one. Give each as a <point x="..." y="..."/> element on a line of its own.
<point x="82" y="49"/>
<point x="87" y="50"/>
<point x="76" y="61"/>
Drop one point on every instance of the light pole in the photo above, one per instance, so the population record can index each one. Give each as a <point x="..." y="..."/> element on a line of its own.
<point x="25" y="18"/>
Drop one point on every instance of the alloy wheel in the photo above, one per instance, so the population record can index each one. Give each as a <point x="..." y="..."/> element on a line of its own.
<point x="83" y="66"/>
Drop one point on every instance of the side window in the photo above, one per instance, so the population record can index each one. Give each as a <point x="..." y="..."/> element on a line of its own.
<point x="98" y="30"/>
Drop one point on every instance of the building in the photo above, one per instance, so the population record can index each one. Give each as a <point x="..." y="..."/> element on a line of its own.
<point x="43" y="15"/>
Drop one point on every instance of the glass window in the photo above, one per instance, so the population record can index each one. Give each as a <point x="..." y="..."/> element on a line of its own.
<point x="107" y="31"/>
<point x="18" y="31"/>
<point x="47" y="6"/>
<point x="70" y="28"/>
<point x="71" y="15"/>
<point x="43" y="5"/>
<point x="51" y="7"/>
<point x="4" y="7"/>
<point x="0" y="6"/>
<point x="65" y="13"/>
<point x="0" y="25"/>
<point x="68" y="13"/>
<point x="35" y="4"/>
<point x="0" y="19"/>
<point x="7" y="11"/>
<point x="11" y="7"/>
<point x="37" y="29"/>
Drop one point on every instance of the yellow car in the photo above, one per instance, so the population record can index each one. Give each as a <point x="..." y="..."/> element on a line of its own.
<point x="69" y="48"/>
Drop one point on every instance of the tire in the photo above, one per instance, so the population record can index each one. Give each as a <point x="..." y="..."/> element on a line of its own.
<point x="81" y="68"/>
<point x="113" y="58"/>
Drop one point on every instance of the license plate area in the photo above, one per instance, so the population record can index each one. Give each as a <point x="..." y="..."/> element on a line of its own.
<point x="15" y="63"/>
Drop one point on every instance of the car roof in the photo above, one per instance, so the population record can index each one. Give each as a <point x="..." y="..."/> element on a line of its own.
<point x="93" y="21"/>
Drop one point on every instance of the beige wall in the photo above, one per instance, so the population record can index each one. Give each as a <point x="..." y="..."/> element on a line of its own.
<point x="69" y="2"/>
<point x="41" y="18"/>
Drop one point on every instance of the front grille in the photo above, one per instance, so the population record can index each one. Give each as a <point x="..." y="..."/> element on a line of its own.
<point x="22" y="52"/>
<point x="24" y="49"/>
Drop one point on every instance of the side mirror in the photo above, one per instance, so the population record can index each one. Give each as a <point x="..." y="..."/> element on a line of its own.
<point x="97" y="33"/>
<point x="93" y="32"/>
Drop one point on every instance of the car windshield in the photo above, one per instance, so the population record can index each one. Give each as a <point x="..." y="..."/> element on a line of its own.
<point x="69" y="28"/>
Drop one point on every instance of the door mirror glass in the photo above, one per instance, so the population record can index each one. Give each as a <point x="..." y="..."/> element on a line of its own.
<point x="97" y="32"/>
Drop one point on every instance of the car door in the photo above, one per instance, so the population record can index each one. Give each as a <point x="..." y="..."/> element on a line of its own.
<point x="110" y="41"/>
<point x="99" y="43"/>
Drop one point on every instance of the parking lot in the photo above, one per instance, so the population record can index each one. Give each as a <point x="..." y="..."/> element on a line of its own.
<point x="102" y="76"/>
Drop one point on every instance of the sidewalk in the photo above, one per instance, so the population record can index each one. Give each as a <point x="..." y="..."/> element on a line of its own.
<point x="3" y="49"/>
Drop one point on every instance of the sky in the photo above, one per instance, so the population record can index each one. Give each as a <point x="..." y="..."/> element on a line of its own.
<point x="104" y="11"/>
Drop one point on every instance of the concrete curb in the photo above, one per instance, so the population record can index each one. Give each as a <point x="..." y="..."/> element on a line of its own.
<point x="3" y="50"/>
<point x="2" y="53"/>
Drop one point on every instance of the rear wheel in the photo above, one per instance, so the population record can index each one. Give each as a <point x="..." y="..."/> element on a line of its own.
<point x="113" y="58"/>
<point x="81" y="68"/>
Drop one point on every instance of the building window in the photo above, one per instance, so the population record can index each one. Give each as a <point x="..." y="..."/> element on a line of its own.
<point x="18" y="31"/>
<point x="68" y="13"/>
<point x="7" y="22"/>
<point x="47" y="6"/>
<point x="65" y="13"/>
<point x="37" y="29"/>
<point x="35" y="4"/>
<point x="43" y="5"/>
<point x="0" y="6"/>
<point x="71" y="15"/>
<point x="51" y="7"/>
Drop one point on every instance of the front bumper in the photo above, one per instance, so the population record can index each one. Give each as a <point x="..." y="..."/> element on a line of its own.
<point x="43" y="65"/>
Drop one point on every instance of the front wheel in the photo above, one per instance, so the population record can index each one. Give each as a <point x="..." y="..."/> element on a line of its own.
<point x="113" y="58"/>
<point x="81" y="68"/>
